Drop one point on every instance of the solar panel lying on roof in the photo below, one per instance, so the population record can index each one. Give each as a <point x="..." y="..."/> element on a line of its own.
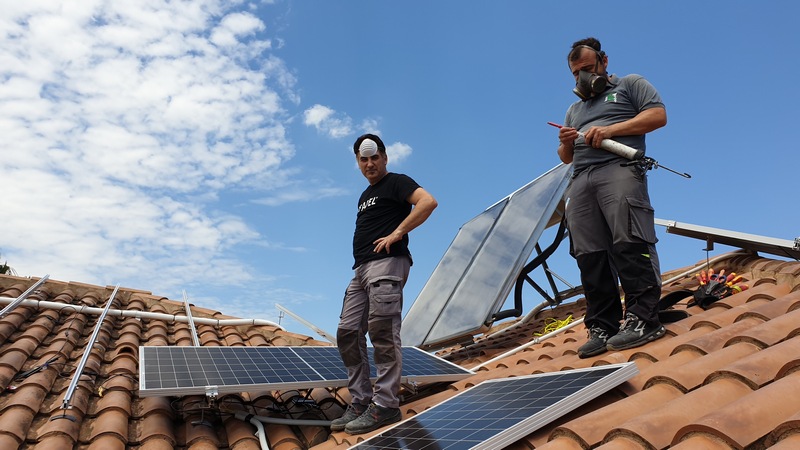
<point x="496" y="413"/>
<point x="183" y="370"/>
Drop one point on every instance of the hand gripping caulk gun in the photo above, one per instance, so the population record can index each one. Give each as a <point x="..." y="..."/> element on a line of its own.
<point x="628" y="152"/>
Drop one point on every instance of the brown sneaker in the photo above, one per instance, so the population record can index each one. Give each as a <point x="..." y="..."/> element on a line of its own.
<point x="373" y="418"/>
<point x="351" y="413"/>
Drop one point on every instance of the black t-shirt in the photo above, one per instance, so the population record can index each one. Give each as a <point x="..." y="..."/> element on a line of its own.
<point x="381" y="208"/>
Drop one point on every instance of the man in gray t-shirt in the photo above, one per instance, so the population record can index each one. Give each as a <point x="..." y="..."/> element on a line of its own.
<point x="609" y="216"/>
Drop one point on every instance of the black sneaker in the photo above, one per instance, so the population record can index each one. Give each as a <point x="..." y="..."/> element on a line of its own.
<point x="351" y="413"/>
<point x="373" y="418"/>
<point x="596" y="345"/>
<point x="635" y="332"/>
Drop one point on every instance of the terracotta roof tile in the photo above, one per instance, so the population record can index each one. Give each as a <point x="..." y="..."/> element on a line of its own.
<point x="124" y="361"/>
<point x="117" y="400"/>
<point x="55" y="442"/>
<point x="156" y="426"/>
<point x="657" y="425"/>
<point x="28" y="396"/>
<point x="256" y="340"/>
<point x="281" y="437"/>
<point x="157" y="444"/>
<point x="240" y="435"/>
<point x="557" y="443"/>
<point x="156" y="334"/>
<point x="591" y="428"/>
<point x="789" y="428"/>
<point x="15" y="423"/>
<point x="202" y="445"/>
<point x="788" y="443"/>
<point x="689" y="373"/>
<point x="61" y="423"/>
<point x="704" y="442"/>
<point x="113" y="422"/>
<point x="736" y="361"/>
<point x="107" y="442"/>
<point x="11" y="362"/>
<point x="712" y="341"/>
<point x="760" y="369"/>
<point x="664" y="347"/>
<point x="11" y="323"/>
<point x="199" y="429"/>
<point x="745" y="421"/>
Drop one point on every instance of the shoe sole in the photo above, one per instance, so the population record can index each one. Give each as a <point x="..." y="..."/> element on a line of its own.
<point x="338" y="427"/>
<point x="599" y="351"/>
<point x="641" y="341"/>
<point x="341" y="426"/>
<point x="374" y="427"/>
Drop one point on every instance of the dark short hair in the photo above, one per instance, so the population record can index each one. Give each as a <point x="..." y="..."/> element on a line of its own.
<point x="590" y="43"/>
<point x="373" y="137"/>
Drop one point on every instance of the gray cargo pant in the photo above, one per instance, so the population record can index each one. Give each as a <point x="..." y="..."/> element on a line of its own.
<point x="373" y="303"/>
<point x="612" y="235"/>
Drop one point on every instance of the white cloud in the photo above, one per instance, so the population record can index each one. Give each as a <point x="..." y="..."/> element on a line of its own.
<point x="233" y="26"/>
<point x="119" y="121"/>
<point x="328" y="121"/>
<point x="300" y="194"/>
<point x="398" y="152"/>
<point x="370" y="126"/>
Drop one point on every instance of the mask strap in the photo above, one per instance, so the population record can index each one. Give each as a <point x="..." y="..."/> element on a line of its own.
<point x="599" y="55"/>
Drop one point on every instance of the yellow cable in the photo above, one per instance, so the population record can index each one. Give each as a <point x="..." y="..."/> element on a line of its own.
<point x="552" y="324"/>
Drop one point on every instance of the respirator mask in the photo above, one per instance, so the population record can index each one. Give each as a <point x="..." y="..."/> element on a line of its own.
<point x="589" y="84"/>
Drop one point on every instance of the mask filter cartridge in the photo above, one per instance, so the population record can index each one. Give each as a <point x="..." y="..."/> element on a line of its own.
<point x="589" y="84"/>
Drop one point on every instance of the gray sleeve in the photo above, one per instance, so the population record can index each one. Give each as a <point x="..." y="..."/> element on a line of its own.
<point x="568" y="118"/>
<point x="642" y="94"/>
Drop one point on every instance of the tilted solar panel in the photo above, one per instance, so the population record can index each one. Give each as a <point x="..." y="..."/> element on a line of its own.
<point x="478" y="270"/>
<point x="185" y="370"/>
<point x="496" y="413"/>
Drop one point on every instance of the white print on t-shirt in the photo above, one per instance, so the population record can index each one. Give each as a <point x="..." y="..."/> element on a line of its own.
<point x="367" y="204"/>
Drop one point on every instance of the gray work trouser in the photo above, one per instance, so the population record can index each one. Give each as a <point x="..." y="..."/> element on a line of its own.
<point x="612" y="236"/>
<point x="373" y="303"/>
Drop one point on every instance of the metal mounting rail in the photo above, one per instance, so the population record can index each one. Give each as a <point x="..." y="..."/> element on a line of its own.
<point x="87" y="351"/>
<point x="195" y="339"/>
<point x="779" y="247"/>
<point x="318" y="330"/>
<point x="22" y="297"/>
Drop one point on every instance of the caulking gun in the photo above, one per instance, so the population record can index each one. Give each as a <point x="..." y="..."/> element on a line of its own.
<point x="628" y="152"/>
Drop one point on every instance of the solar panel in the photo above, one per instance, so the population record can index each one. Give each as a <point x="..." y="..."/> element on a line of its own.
<point x="496" y="413"/>
<point x="478" y="270"/>
<point x="184" y="370"/>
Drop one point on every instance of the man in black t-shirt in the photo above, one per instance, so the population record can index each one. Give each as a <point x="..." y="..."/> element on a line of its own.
<point x="388" y="209"/>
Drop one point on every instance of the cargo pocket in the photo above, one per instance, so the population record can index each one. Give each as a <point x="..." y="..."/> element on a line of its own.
<point x="641" y="217"/>
<point x="385" y="296"/>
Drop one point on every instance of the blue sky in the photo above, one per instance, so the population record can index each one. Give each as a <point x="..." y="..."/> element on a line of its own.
<point x="205" y="145"/>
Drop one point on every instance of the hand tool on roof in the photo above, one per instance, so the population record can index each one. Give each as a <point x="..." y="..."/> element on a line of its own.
<point x="627" y="152"/>
<point x="714" y="287"/>
<point x="703" y="277"/>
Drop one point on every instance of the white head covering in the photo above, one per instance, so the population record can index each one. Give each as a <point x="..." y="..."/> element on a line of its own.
<point x="367" y="148"/>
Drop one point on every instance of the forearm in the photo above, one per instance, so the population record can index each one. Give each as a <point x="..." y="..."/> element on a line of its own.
<point x="419" y="214"/>
<point x="566" y="153"/>
<point x="424" y="204"/>
<point x="643" y="123"/>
